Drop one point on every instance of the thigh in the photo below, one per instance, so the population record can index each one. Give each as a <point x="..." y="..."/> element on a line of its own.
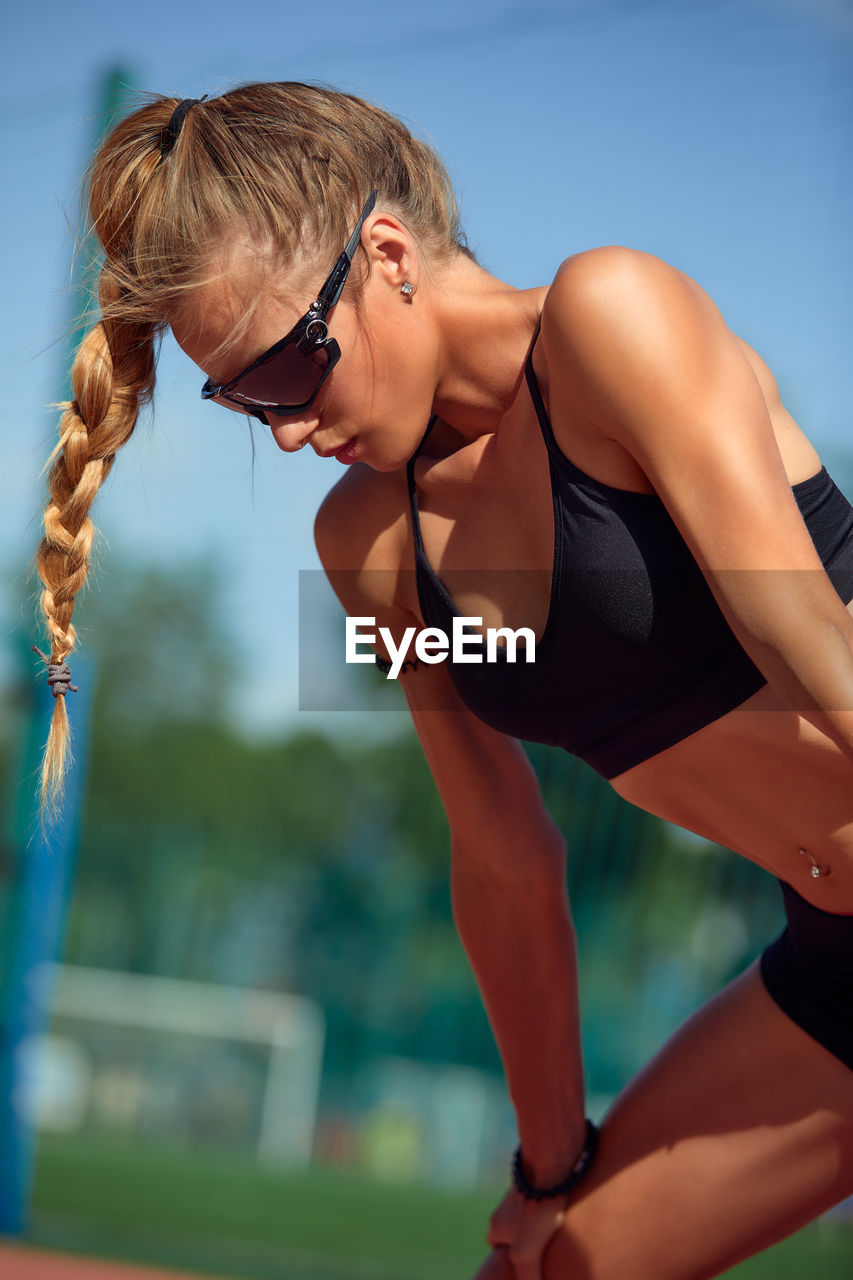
<point x="738" y="1132"/>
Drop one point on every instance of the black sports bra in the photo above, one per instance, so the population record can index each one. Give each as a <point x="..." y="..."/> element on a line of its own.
<point x="636" y="654"/>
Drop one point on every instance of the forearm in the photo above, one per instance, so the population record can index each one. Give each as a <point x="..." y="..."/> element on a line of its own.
<point x="512" y="913"/>
<point x="823" y="696"/>
<point x="805" y="650"/>
<point x="815" y="676"/>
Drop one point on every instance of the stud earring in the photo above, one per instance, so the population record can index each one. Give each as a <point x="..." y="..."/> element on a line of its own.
<point x="816" y="869"/>
<point x="407" y="289"/>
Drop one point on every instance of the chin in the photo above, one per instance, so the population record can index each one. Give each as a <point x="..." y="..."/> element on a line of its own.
<point x="379" y="464"/>
<point x="377" y="455"/>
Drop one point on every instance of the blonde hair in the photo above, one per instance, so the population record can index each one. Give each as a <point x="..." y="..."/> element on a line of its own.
<point x="289" y="165"/>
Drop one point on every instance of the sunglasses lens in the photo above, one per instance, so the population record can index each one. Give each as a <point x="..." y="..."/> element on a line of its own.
<point x="287" y="378"/>
<point x="249" y="410"/>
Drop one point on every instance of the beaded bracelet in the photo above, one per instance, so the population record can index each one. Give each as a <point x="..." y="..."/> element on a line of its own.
<point x="581" y="1168"/>
<point x="384" y="665"/>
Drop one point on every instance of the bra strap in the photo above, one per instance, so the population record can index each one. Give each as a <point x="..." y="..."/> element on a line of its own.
<point x="538" y="402"/>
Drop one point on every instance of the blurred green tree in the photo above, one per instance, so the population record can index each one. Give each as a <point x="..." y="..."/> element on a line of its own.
<point x="162" y="654"/>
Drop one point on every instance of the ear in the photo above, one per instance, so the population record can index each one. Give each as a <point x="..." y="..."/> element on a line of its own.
<point x="392" y="250"/>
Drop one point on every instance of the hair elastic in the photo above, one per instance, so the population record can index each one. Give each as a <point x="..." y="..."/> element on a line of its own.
<point x="176" y="123"/>
<point x="58" y="675"/>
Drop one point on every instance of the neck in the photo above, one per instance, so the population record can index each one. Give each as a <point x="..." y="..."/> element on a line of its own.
<point x="485" y="329"/>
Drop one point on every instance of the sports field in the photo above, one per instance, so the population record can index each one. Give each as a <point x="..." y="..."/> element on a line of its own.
<point x="212" y="1214"/>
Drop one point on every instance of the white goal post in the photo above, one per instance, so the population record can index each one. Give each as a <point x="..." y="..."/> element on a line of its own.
<point x="291" y="1028"/>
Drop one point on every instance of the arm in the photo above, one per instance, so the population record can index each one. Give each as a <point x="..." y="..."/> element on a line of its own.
<point x="659" y="373"/>
<point x="508" y="855"/>
<point x="511" y="908"/>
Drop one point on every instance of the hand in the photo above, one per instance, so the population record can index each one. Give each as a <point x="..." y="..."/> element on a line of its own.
<point x="524" y="1228"/>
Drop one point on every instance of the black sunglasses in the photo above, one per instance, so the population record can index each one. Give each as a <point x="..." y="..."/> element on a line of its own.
<point x="287" y="377"/>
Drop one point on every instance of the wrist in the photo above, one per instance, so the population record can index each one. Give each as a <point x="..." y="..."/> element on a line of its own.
<point x="547" y="1157"/>
<point x="534" y="1184"/>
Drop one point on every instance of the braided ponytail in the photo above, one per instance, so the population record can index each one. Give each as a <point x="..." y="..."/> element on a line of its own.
<point x="113" y="375"/>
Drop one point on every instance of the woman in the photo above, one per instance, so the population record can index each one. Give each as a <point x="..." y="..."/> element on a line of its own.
<point x="603" y="462"/>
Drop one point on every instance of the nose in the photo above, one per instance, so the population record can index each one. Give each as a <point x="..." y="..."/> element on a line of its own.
<point x="291" y="434"/>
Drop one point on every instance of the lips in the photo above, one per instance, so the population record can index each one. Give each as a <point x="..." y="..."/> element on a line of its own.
<point x="347" y="452"/>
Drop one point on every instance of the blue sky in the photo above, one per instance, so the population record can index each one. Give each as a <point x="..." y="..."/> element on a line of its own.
<point x="714" y="134"/>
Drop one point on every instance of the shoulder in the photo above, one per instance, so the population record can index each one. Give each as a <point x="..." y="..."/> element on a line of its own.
<point x="363" y="539"/>
<point x="361" y="522"/>
<point x="648" y="357"/>
<point x="616" y="291"/>
<point x="618" y="321"/>
<point x="614" y="272"/>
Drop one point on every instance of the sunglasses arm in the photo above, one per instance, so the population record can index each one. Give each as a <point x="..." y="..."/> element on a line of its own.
<point x="331" y="290"/>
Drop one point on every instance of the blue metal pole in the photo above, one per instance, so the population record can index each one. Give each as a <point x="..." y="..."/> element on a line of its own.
<point x="44" y="876"/>
<point x="44" y="868"/>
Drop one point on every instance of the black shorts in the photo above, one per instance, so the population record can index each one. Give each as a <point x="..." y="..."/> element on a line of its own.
<point x="808" y="971"/>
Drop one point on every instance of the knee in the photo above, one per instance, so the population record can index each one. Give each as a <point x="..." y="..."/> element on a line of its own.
<point x="574" y="1255"/>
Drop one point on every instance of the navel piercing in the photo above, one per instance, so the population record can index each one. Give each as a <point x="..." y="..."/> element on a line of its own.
<point x="407" y="289"/>
<point x="817" y="870"/>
